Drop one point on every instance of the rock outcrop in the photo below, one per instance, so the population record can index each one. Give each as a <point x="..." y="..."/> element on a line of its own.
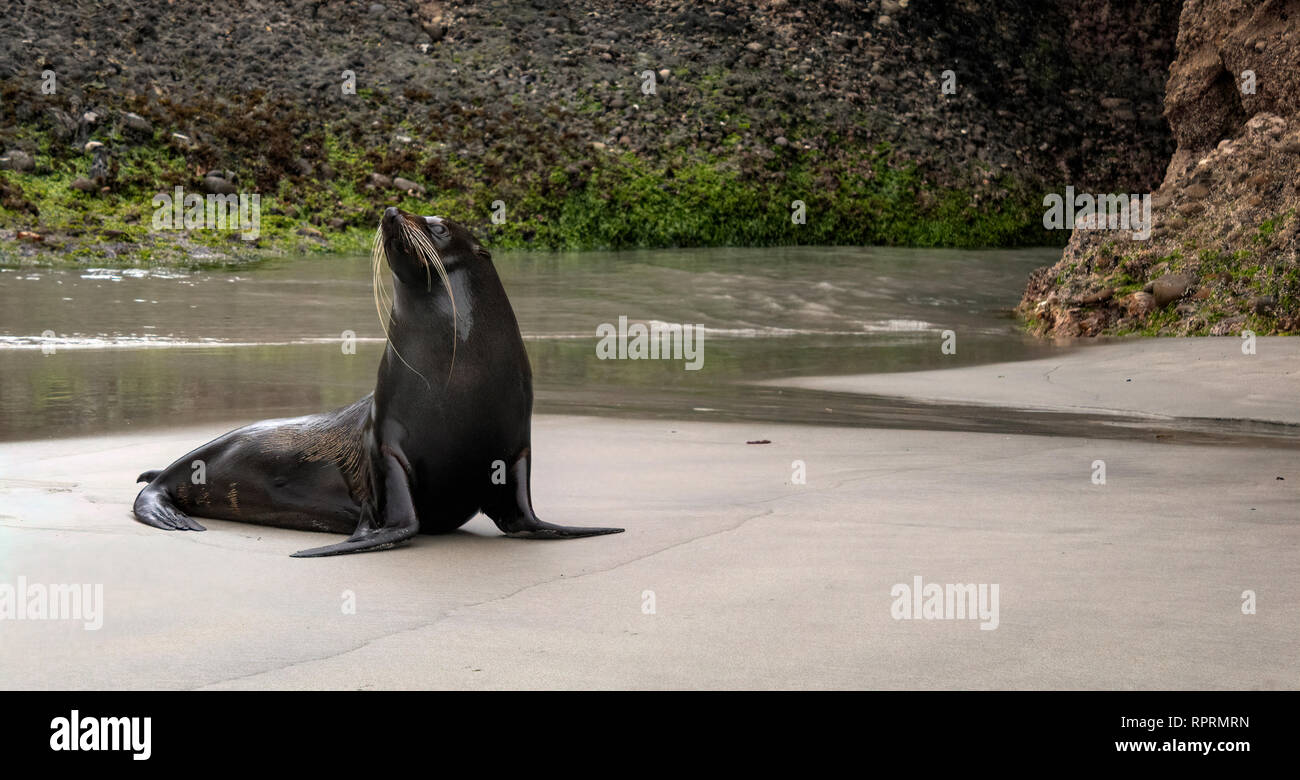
<point x="1222" y="254"/>
<point x="949" y="110"/>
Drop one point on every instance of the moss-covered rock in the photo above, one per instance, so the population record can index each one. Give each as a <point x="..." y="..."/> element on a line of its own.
<point x="1222" y="256"/>
<point x="592" y="125"/>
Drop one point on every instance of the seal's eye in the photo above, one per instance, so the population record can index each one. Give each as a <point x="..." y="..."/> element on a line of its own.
<point x="438" y="229"/>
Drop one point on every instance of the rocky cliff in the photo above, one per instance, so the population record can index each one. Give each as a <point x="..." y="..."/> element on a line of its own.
<point x="1222" y="253"/>
<point x="593" y="123"/>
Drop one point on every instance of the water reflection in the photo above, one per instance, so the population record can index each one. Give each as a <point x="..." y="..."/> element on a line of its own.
<point x="145" y="349"/>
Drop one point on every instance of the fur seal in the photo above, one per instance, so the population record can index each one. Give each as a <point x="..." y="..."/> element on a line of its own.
<point x="445" y="434"/>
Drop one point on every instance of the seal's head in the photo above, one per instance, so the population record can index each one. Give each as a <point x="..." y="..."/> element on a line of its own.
<point x="415" y="246"/>
<point x="416" y="249"/>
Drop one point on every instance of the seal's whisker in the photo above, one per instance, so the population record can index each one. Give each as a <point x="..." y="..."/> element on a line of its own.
<point x="429" y="256"/>
<point x="384" y="301"/>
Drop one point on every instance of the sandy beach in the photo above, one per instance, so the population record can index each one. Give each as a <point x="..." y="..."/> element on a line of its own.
<point x="1201" y="378"/>
<point x="731" y="574"/>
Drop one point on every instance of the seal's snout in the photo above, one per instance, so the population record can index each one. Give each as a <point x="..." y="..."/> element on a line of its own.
<point x="391" y="224"/>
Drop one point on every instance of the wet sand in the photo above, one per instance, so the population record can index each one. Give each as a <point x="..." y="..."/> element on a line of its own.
<point x="757" y="582"/>
<point x="1194" y="378"/>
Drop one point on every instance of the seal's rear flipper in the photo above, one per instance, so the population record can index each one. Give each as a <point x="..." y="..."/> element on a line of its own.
<point x="155" y="507"/>
<point x="540" y="529"/>
<point x="149" y="476"/>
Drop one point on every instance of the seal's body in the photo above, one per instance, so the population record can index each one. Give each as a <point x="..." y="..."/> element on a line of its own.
<point x="445" y="434"/>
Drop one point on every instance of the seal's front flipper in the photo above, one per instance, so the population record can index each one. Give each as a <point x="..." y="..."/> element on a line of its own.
<point x="540" y="529"/>
<point x="387" y="519"/>
<point x="363" y="540"/>
<point x="512" y="509"/>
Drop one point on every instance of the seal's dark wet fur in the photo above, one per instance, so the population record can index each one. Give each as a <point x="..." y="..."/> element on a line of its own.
<point x="445" y="434"/>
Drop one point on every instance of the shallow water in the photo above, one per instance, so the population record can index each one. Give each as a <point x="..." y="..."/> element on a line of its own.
<point x="135" y="349"/>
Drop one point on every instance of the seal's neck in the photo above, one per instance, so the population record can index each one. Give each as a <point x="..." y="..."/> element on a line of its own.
<point x="432" y="315"/>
